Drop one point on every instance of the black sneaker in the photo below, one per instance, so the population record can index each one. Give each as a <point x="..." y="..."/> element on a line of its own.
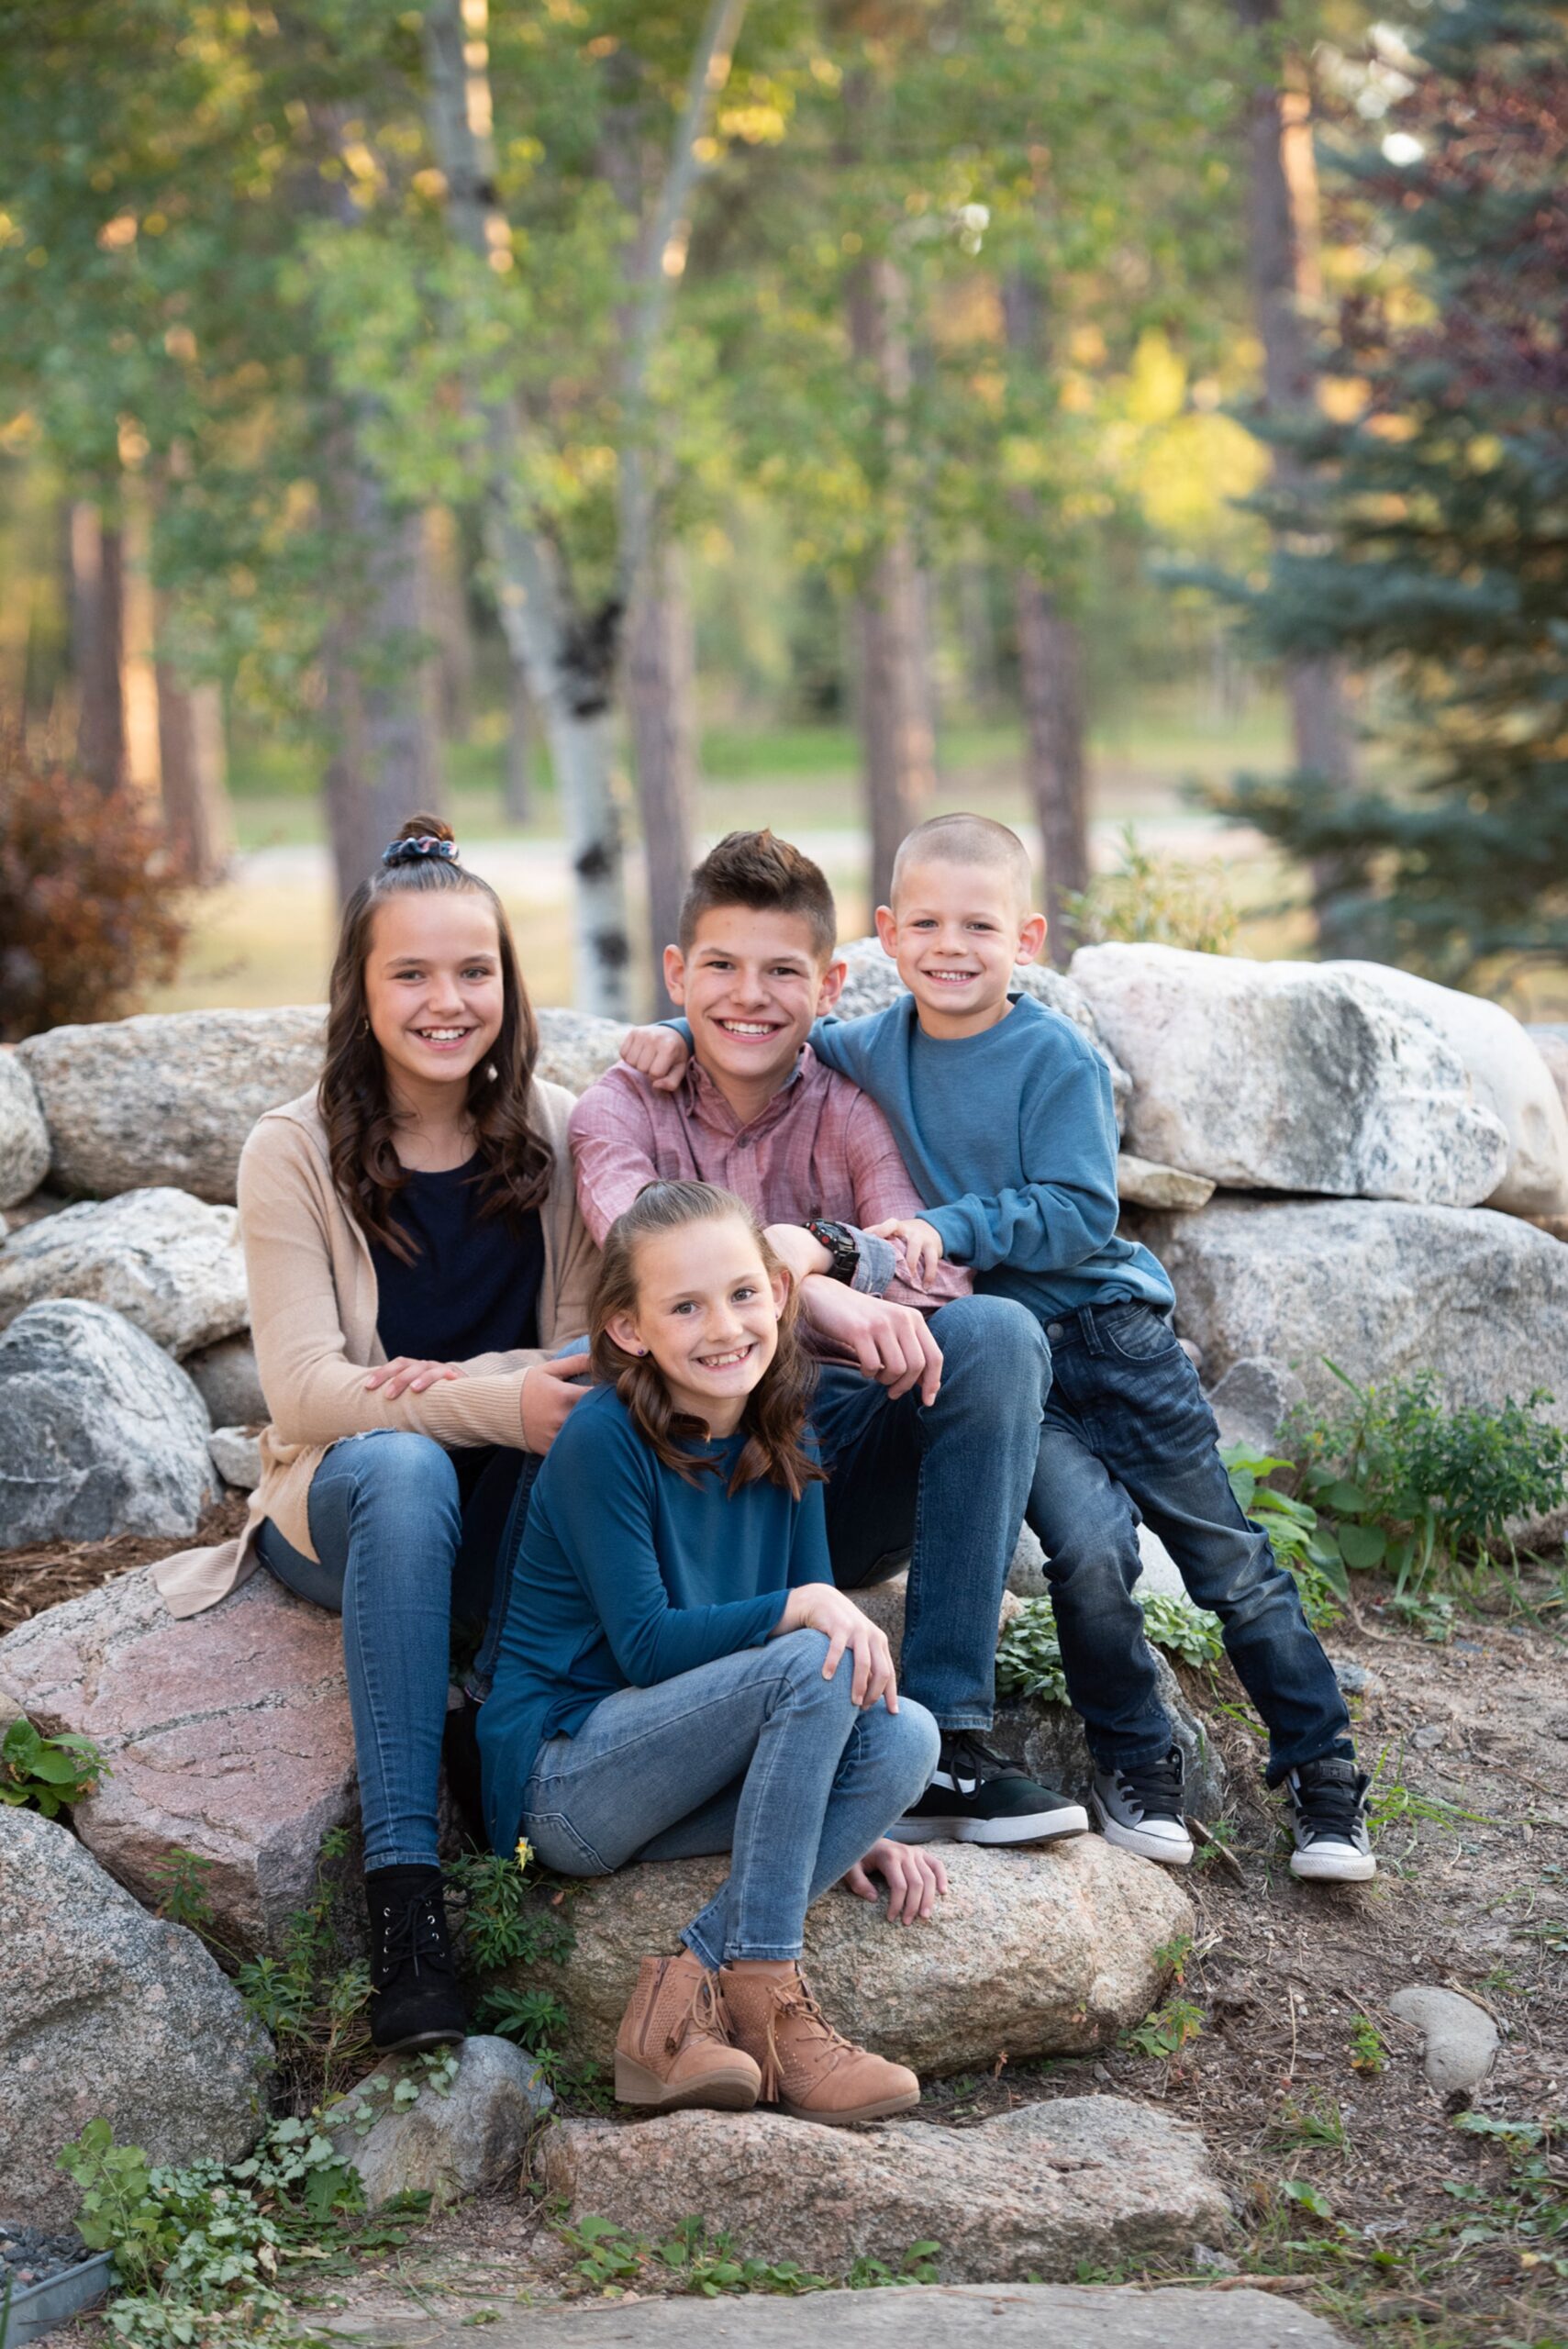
<point x="1140" y="1809"/>
<point x="975" y="1797"/>
<point x="415" y="2001"/>
<point x="1327" y="1807"/>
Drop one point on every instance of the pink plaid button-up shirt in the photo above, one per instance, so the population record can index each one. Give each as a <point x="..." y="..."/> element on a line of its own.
<point x="820" y="1147"/>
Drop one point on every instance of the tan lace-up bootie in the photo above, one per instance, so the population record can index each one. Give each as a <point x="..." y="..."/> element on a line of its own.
<point x="674" y="2046"/>
<point x="811" y="2071"/>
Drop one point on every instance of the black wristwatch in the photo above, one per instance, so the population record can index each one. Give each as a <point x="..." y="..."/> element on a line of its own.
<point x="841" y="1245"/>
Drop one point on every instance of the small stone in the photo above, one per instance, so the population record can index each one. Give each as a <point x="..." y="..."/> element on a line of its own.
<point x="168" y="1261"/>
<point x="1461" y="2037"/>
<point x="237" y="1456"/>
<point x="1037" y="2191"/>
<point x="226" y="1378"/>
<point x="101" y="1432"/>
<point x="1219" y="2263"/>
<point x="468" y="2139"/>
<point x="1144" y="1183"/>
<point x="1431" y="1735"/>
<point x="24" y="1137"/>
<point x="1354" y="1679"/>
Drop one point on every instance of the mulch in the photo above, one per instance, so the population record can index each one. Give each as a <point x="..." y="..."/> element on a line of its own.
<point x="40" y="1576"/>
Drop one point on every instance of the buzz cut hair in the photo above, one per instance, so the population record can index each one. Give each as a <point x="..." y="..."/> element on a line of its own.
<point x="966" y="840"/>
<point x="759" y="870"/>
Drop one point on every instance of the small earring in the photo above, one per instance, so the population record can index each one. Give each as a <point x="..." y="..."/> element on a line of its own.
<point x="491" y="1073"/>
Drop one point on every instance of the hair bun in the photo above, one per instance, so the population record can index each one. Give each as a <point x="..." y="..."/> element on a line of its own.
<point x="421" y="836"/>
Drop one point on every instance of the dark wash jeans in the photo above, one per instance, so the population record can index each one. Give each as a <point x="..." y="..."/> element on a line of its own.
<point x="1125" y="1432"/>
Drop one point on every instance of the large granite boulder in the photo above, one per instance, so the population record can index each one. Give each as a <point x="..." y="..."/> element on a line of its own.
<point x="1037" y="2192"/>
<point x="1382" y="1289"/>
<point x="100" y="1432"/>
<point x="1290" y="1076"/>
<point x="227" y="1379"/>
<point x="1508" y="1075"/>
<point x="228" y="1734"/>
<point x="1550" y="1040"/>
<point x="168" y="1261"/>
<point x="107" y="2012"/>
<point x="873" y="982"/>
<point x="575" y="1047"/>
<point x="168" y="1098"/>
<point x="1048" y="1952"/>
<point x="24" y="1137"/>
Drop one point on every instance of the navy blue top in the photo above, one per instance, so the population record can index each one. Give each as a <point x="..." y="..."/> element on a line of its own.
<point x="1010" y="1140"/>
<point x="474" y="1286"/>
<point x="627" y="1575"/>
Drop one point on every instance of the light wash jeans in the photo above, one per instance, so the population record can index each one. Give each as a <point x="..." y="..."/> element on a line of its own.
<point x="755" y="1754"/>
<point x="387" y="1530"/>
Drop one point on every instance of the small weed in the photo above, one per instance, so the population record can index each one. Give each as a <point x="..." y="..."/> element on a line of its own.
<point x="1312" y="2119"/>
<point x="1169" y="2030"/>
<point x="314" y="2006"/>
<point x="709" y="2265"/>
<point x="181" y="1881"/>
<point x="1028" y="1654"/>
<point x="1369" y="2049"/>
<point x="1309" y="2198"/>
<point x="46" y="1773"/>
<point x="1172" y="1957"/>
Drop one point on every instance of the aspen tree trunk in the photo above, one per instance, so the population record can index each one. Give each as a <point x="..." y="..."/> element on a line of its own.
<point x="446" y="625"/>
<point x="1283" y="235"/>
<point x="1051" y="677"/>
<point x="660" y="703"/>
<point x="522" y="735"/>
<point x="97" y="643"/>
<point x="898" y="746"/>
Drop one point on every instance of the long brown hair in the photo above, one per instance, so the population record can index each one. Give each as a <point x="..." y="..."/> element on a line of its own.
<point x="355" y="1106"/>
<point x="774" y="1418"/>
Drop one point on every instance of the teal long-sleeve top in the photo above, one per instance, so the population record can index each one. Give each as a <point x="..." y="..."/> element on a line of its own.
<point x="1010" y="1138"/>
<point x="629" y="1575"/>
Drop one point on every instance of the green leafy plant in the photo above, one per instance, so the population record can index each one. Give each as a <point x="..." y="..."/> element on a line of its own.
<point x="314" y="2006"/>
<point x="504" y="1914"/>
<point x="1169" y="2030"/>
<point x="181" y="1878"/>
<point x="1028" y="1654"/>
<point x="46" y="1773"/>
<point x="1155" y="899"/>
<point x="1369" y="2049"/>
<point x="1314" y="2119"/>
<point x="1291" y="1524"/>
<point x="609" y="2259"/>
<point x="1422" y="1493"/>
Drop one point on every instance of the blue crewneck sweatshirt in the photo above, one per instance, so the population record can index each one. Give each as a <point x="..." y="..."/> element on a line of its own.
<point x="629" y="1575"/>
<point x="1010" y="1137"/>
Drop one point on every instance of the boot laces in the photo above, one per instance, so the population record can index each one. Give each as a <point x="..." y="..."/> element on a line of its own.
<point x="1330" y="1805"/>
<point x="413" y="1934"/>
<point x="1155" y="1786"/>
<point x="795" y="1999"/>
<point x="967" y="1759"/>
<point x="705" y="2017"/>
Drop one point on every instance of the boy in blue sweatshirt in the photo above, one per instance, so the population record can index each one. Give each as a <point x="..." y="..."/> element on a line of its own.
<point x="1002" y="1111"/>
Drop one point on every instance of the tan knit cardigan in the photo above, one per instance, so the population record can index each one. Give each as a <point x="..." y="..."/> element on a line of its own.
<point x="313" y="1314"/>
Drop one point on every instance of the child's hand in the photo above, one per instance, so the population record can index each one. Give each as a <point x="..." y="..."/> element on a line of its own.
<point x="409" y="1371"/>
<point x="922" y="1241"/>
<point x="659" y="1053"/>
<point x="819" y="1607"/>
<point x="916" y="1879"/>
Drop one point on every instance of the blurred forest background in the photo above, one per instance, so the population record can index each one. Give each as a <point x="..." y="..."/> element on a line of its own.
<point x="608" y="422"/>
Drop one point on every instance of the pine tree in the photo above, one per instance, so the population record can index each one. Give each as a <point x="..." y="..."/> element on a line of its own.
<point x="1427" y="543"/>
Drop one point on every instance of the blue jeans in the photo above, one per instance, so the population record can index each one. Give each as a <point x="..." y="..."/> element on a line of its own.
<point x="946" y="1485"/>
<point x="755" y="1754"/>
<point x="387" y="1527"/>
<point x="1127" y="1430"/>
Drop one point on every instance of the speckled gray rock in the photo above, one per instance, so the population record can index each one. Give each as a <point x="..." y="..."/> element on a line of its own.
<point x="228" y="1734"/>
<point x="1039" y="1953"/>
<point x="1144" y="1184"/>
<point x="873" y="982"/>
<point x="1507" y="1074"/>
<point x="168" y="1096"/>
<point x="106" y="2010"/>
<point x="169" y="1262"/>
<point x="1461" y="2037"/>
<point x="237" y="1456"/>
<point x="1383" y="1288"/>
<point x="228" y="1383"/>
<point x="1033" y="2193"/>
<point x="574" y="1047"/>
<point x="1290" y="1076"/>
<point x="1252" y="1397"/>
<point x="469" y="2140"/>
<point x="100" y="1432"/>
<point x="24" y="1137"/>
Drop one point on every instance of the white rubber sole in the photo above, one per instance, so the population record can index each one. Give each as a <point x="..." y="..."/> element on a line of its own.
<point x="1039" y="1827"/>
<point x="1163" y="1850"/>
<point x="1333" y="1867"/>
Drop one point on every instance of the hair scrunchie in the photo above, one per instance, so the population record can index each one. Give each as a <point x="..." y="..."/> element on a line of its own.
<point x="412" y="852"/>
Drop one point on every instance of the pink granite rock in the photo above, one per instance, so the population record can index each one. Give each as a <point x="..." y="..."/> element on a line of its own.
<point x="228" y="1735"/>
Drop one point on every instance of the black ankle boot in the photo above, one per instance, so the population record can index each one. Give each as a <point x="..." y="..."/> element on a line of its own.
<point x="416" y="2002"/>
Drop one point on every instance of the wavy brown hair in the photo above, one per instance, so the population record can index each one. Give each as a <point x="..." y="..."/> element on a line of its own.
<point x="774" y="1419"/>
<point x="356" y="1108"/>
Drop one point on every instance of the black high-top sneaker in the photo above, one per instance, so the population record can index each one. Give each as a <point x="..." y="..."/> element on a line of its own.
<point x="976" y="1796"/>
<point x="416" y="2002"/>
<point x="1328" y="1818"/>
<point x="1140" y="1809"/>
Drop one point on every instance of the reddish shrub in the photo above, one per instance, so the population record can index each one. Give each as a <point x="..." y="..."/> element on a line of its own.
<point x="89" y="911"/>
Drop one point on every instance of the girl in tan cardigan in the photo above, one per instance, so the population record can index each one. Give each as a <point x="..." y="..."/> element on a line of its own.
<point x="413" y="1254"/>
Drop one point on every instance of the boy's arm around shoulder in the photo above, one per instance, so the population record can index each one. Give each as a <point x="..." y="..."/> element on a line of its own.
<point x="1066" y="1208"/>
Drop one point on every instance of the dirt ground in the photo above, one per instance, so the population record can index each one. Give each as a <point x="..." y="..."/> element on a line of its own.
<point x="1415" y="2234"/>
